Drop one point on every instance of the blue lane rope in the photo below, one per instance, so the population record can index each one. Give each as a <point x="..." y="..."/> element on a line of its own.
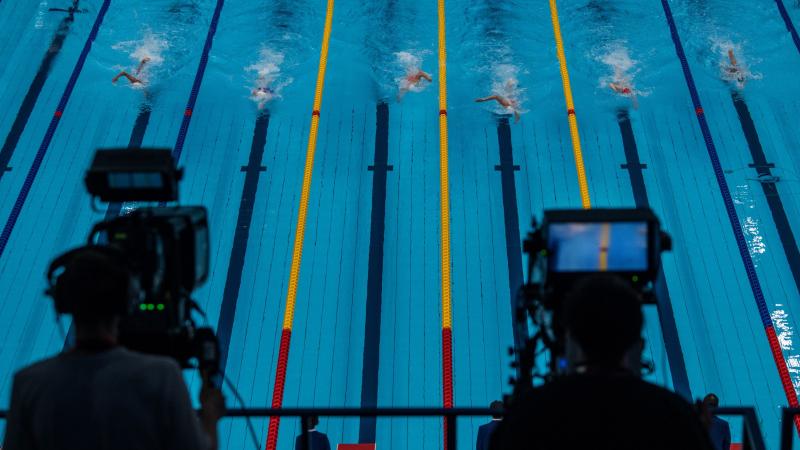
<point x="198" y="80"/>
<point x="51" y="130"/>
<point x="755" y="285"/>
<point x="789" y="24"/>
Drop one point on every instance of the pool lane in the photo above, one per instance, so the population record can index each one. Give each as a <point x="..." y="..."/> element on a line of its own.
<point x="326" y="352"/>
<point x="603" y="150"/>
<point x="769" y="53"/>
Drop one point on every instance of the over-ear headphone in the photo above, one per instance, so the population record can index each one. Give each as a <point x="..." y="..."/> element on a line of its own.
<point x="118" y="293"/>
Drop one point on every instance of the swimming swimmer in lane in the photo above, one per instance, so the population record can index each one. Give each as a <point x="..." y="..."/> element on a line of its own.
<point x="510" y="104"/>
<point x="133" y="78"/>
<point x="733" y="70"/>
<point x="413" y="79"/>
<point x="621" y="85"/>
<point x="262" y="94"/>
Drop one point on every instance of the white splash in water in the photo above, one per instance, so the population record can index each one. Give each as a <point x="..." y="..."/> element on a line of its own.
<point x="624" y="68"/>
<point x="410" y="62"/>
<point x="268" y="83"/>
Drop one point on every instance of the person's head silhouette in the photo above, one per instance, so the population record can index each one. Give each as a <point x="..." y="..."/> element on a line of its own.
<point x="602" y="320"/>
<point x="497" y="406"/>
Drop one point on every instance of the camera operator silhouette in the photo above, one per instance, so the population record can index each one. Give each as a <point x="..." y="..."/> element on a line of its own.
<point x="99" y="395"/>
<point x="602" y="402"/>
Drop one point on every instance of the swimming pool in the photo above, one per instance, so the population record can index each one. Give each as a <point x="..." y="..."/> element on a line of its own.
<point x="361" y="333"/>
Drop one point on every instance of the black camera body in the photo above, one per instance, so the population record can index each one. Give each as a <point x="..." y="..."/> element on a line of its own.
<point x="166" y="249"/>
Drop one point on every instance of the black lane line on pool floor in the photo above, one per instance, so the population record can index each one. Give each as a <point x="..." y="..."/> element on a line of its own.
<point x="763" y="168"/>
<point x="135" y="141"/>
<point x="789" y="24"/>
<point x="666" y="315"/>
<point x="511" y="219"/>
<point x="233" y="281"/>
<point x="26" y="108"/>
<point x="372" y="326"/>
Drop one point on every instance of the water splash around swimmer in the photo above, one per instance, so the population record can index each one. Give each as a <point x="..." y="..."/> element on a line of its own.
<point x="414" y="79"/>
<point x="624" y="70"/>
<point x="146" y="56"/>
<point x="265" y="78"/>
<point x="732" y="62"/>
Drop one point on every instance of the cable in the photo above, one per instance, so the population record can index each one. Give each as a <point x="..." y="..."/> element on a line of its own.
<point x="239" y="398"/>
<point x="241" y="402"/>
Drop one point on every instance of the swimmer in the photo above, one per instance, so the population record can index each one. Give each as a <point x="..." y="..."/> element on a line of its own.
<point x="734" y="70"/>
<point x="622" y="86"/>
<point x="262" y="94"/>
<point x="414" y="78"/>
<point x="509" y="104"/>
<point x="132" y="78"/>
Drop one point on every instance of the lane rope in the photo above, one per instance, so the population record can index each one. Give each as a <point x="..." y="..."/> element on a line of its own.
<point x="447" y="313"/>
<point x="571" y="117"/>
<point x="297" y="252"/>
<point x="752" y="277"/>
<point x="51" y="130"/>
<point x="198" y="80"/>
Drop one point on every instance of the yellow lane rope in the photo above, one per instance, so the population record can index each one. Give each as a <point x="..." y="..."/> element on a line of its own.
<point x="573" y="121"/>
<point x="297" y="253"/>
<point x="447" y="309"/>
<point x="444" y="183"/>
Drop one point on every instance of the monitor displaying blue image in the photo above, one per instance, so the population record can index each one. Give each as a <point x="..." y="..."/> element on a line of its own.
<point x="598" y="247"/>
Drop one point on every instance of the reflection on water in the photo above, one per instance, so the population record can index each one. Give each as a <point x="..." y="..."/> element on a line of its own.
<point x="785" y="335"/>
<point x="743" y="196"/>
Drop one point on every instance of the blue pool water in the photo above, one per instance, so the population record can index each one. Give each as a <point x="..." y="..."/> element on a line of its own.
<point x="253" y="184"/>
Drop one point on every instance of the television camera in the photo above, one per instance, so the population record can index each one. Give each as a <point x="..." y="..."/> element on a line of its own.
<point x="166" y="248"/>
<point x="567" y="246"/>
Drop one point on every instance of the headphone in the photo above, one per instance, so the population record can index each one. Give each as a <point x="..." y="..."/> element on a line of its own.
<point x="62" y="281"/>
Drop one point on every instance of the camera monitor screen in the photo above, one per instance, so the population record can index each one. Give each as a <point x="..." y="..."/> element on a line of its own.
<point x="135" y="180"/>
<point x="598" y="246"/>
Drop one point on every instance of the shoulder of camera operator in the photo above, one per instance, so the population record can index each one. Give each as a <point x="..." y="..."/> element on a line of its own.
<point x="134" y="397"/>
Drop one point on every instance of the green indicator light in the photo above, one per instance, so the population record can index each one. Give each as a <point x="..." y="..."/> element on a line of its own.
<point x="635" y="278"/>
<point x="151" y="307"/>
<point x="143" y="307"/>
<point x="160" y="306"/>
